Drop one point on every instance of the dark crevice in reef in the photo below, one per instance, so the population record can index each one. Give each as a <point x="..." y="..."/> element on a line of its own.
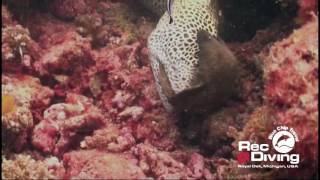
<point x="21" y="8"/>
<point x="239" y="20"/>
<point x="207" y="132"/>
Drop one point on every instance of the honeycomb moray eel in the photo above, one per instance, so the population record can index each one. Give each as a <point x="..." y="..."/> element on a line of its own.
<point x="192" y="69"/>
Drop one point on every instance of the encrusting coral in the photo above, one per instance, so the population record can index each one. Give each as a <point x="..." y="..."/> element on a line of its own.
<point x="24" y="167"/>
<point x="23" y="97"/>
<point x="291" y="87"/>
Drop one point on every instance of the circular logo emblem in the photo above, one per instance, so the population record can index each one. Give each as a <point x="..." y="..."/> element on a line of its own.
<point x="283" y="141"/>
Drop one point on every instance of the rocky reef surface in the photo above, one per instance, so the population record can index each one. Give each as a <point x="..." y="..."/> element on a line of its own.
<point x="79" y="99"/>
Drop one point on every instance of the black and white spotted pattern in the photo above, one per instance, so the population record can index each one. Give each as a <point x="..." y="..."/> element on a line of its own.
<point x="174" y="45"/>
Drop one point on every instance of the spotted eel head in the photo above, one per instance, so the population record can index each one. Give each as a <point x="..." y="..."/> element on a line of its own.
<point x="173" y="46"/>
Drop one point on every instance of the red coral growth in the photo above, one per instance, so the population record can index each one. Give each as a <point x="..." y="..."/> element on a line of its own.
<point x="111" y="138"/>
<point x="307" y="7"/>
<point x="161" y="165"/>
<point x="291" y="74"/>
<point x="95" y="164"/>
<point x="29" y="97"/>
<point x="40" y="95"/>
<point x="64" y="124"/>
<point x="129" y="82"/>
<point x="291" y="68"/>
<point x="118" y="77"/>
<point x="69" y="52"/>
<point x="19" y="50"/>
<point x="24" y="167"/>
<point x="69" y="9"/>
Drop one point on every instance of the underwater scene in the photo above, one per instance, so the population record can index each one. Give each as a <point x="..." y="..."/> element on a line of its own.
<point x="160" y="89"/>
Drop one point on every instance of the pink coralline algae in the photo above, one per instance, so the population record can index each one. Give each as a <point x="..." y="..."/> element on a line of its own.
<point x="111" y="138"/>
<point x="307" y="7"/>
<point x="162" y="165"/>
<point x="291" y="88"/>
<point x="63" y="124"/>
<point x="29" y="97"/>
<point x="69" y="9"/>
<point x="100" y="165"/>
<point x="71" y="52"/>
<point x="24" y="167"/>
<point x="19" y="50"/>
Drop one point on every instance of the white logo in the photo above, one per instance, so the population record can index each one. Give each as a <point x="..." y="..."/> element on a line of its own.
<point x="283" y="141"/>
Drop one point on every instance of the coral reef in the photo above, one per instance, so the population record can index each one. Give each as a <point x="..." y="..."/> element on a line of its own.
<point x="162" y="165"/>
<point x="24" y="167"/>
<point x="290" y="98"/>
<point x="229" y="170"/>
<point x="111" y="138"/>
<point x="291" y="88"/>
<point x="63" y="123"/>
<point x="71" y="52"/>
<point x="69" y="9"/>
<point x="23" y="98"/>
<point x="100" y="165"/>
<point x="307" y="7"/>
<point x="18" y="49"/>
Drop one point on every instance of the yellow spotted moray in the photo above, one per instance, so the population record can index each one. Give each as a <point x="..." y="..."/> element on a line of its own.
<point x="175" y="55"/>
